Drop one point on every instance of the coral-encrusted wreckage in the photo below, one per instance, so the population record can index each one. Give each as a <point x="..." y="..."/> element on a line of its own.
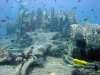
<point x="58" y="34"/>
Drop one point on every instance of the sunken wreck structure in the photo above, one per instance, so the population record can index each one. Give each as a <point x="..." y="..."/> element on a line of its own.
<point x="40" y="33"/>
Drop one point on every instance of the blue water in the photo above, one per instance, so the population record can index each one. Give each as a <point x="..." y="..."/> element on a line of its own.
<point x="11" y="8"/>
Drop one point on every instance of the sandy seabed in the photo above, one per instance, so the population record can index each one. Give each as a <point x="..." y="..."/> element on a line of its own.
<point x="53" y="66"/>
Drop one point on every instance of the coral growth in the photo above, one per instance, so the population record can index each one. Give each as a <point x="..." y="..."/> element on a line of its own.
<point x="40" y="61"/>
<point x="94" y="54"/>
<point x="98" y="30"/>
<point x="80" y="41"/>
<point x="78" y="72"/>
<point x="42" y="49"/>
<point x="95" y="74"/>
